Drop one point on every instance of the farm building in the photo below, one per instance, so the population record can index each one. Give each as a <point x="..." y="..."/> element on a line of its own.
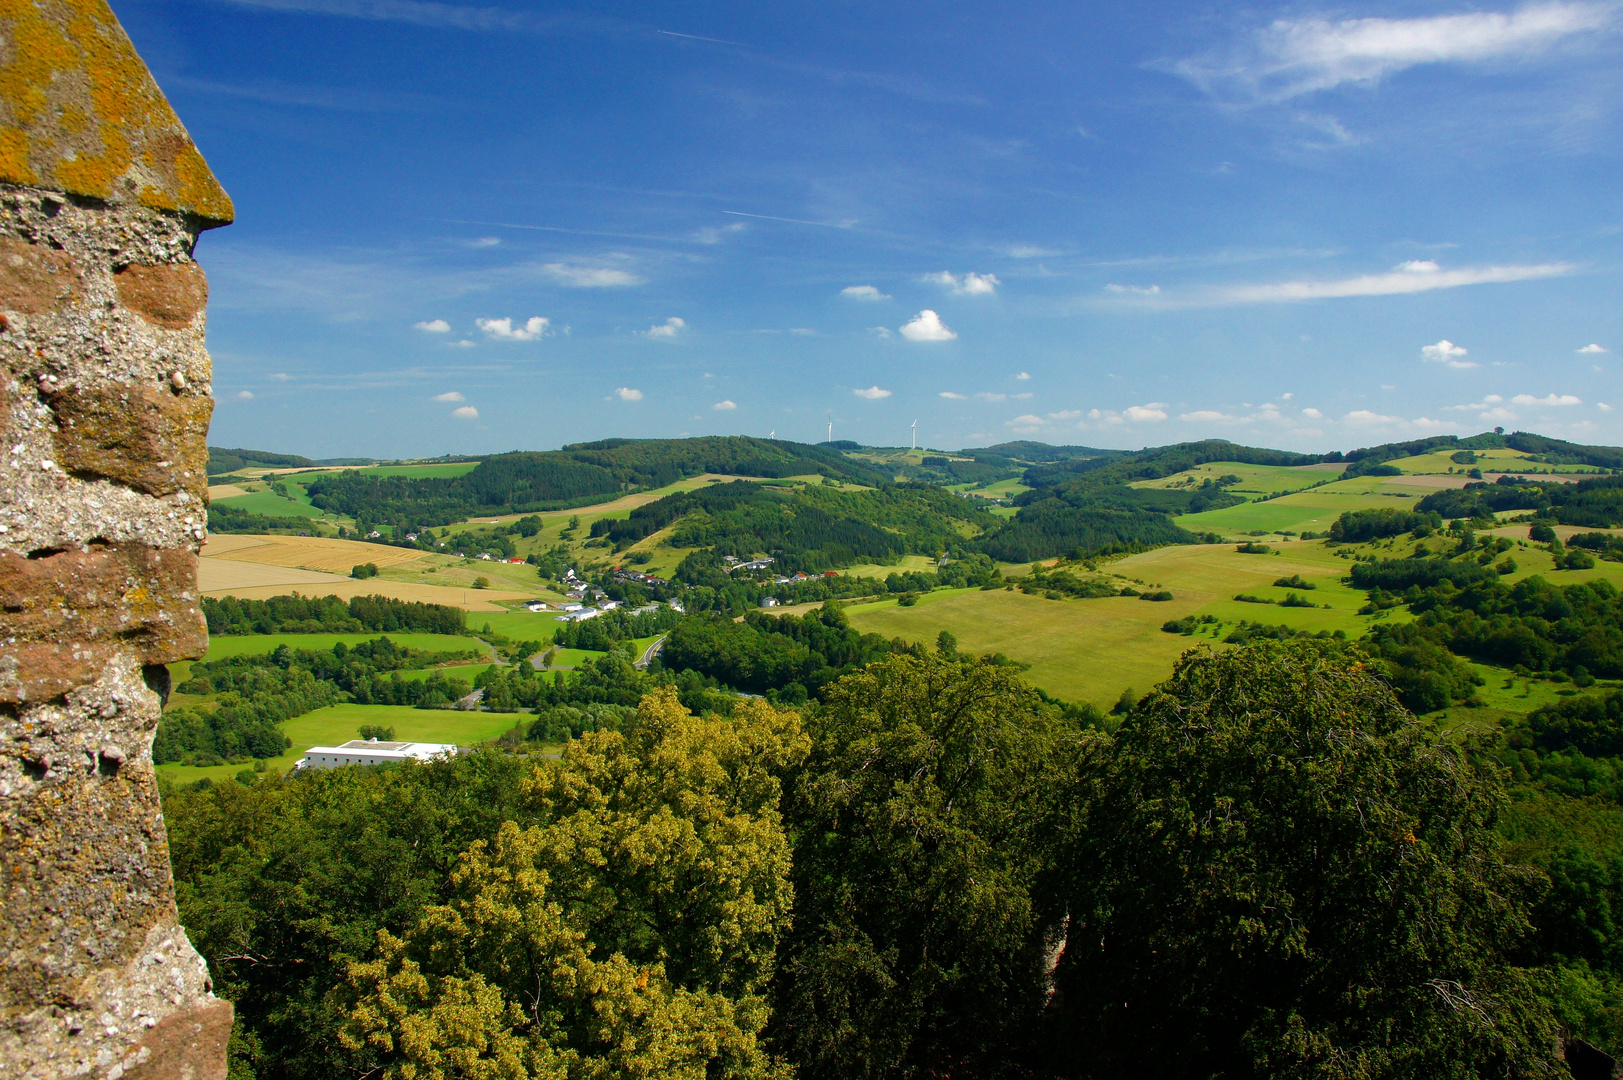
<point x="769" y="601"/>
<point x="371" y="752"/>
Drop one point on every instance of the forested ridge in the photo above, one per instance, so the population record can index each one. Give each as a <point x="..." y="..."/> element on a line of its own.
<point x="526" y="481"/>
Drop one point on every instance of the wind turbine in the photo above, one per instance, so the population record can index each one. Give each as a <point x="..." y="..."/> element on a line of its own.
<point x="915" y="435"/>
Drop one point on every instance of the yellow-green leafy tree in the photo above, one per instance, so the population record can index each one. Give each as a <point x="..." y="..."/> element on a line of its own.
<point x="630" y="933"/>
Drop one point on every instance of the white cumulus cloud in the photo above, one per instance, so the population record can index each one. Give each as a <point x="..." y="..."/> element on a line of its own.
<point x="971" y="284"/>
<point x="1592" y="349"/>
<point x="873" y="393"/>
<point x="1418" y="266"/>
<point x="1205" y="416"/>
<point x="466" y="412"/>
<point x="1446" y="352"/>
<point x="433" y="326"/>
<point x="948" y="394"/>
<point x="1023" y="376"/>
<point x="590" y="277"/>
<point x="1365" y="418"/>
<point x="1313" y="414"/>
<point x="668" y="329"/>
<point x="245" y="395"/>
<point x="1134" y="290"/>
<point x="1547" y="399"/>
<point x="1602" y="406"/>
<point x="1065" y="414"/>
<point x="724" y="406"/>
<point x="862" y="292"/>
<point x="504" y="330"/>
<point x="927" y="326"/>
<point x="450" y="395"/>
<point x="1026" y="421"/>
<point x="280" y="376"/>
<point x="1146" y="414"/>
<point x="625" y="393"/>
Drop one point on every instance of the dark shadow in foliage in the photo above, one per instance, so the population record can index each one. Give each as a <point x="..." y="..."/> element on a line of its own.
<point x="920" y="889"/>
<point x="1282" y="874"/>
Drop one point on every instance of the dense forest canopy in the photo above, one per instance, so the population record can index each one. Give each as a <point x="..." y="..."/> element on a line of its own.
<point x="928" y="869"/>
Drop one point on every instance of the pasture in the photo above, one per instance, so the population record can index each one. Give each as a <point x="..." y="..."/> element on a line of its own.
<point x="337" y="724"/>
<point x="1310" y="510"/>
<point x="228" y="645"/>
<point x="1254" y="479"/>
<point x="270" y="504"/>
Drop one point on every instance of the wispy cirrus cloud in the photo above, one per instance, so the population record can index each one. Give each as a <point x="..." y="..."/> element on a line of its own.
<point x="951" y="395"/>
<point x="1406" y="279"/>
<point x="590" y="277"/>
<point x="1291" y="58"/>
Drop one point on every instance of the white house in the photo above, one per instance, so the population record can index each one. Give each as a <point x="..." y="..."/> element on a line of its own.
<point x="372" y="752"/>
<point x="769" y="601"/>
<point x="535" y="605"/>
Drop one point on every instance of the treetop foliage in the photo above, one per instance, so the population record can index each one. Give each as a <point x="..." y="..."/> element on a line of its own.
<point x="1282" y="874"/>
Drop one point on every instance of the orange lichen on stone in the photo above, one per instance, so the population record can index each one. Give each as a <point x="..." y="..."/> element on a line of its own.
<point x="80" y="113"/>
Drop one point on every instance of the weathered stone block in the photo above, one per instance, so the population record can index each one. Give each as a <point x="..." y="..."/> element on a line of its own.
<point x="35" y="279"/>
<point x="170" y="296"/>
<point x="66" y="612"/>
<point x="189" y="1045"/>
<point x="142" y="436"/>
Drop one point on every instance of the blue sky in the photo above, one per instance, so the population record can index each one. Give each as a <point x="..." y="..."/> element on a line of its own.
<point x="480" y="228"/>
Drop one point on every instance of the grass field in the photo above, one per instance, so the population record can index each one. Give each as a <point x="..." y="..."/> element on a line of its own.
<point x="227" y="645"/>
<point x="339" y="723"/>
<point x="1313" y="510"/>
<point x="907" y="564"/>
<point x="1089" y="650"/>
<point x="270" y="504"/>
<point x="1254" y="479"/>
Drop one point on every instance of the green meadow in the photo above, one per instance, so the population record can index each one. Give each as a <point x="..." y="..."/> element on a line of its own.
<point x="257" y="644"/>
<point x="339" y="723"/>
<point x="1311" y="510"/>
<point x="270" y="504"/>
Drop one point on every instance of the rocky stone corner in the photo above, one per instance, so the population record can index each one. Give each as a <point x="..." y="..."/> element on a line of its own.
<point x="104" y="411"/>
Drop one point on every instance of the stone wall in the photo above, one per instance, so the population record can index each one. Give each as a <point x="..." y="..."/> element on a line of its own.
<point x="104" y="410"/>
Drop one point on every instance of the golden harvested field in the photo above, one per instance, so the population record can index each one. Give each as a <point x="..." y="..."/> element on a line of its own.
<point x="226" y="575"/>
<point x="259" y="567"/>
<point x="308" y="552"/>
<point x="224" y="491"/>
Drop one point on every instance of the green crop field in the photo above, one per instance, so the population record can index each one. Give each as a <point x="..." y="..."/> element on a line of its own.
<point x="906" y="564"/>
<point x="1254" y="479"/>
<point x="255" y="644"/>
<point x="1302" y="511"/>
<point x="339" y="723"/>
<point x="270" y="504"/>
